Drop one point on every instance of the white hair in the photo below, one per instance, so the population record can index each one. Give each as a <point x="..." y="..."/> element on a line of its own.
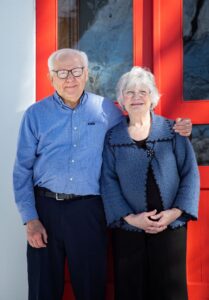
<point x="65" y="51"/>
<point x="138" y="76"/>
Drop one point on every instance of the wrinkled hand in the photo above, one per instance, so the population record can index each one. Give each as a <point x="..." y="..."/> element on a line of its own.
<point x="166" y="217"/>
<point x="143" y="221"/>
<point x="183" y="126"/>
<point x="36" y="234"/>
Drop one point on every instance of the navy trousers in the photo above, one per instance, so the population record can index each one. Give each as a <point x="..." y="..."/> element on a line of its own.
<point x="76" y="229"/>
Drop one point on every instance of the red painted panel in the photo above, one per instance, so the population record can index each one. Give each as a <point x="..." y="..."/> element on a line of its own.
<point x="204" y="175"/>
<point x="46" y="43"/>
<point x="198" y="252"/>
<point x="168" y="63"/>
<point x="142" y="33"/>
<point x="137" y="32"/>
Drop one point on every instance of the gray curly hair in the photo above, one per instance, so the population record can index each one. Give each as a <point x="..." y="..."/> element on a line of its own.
<point x="138" y="76"/>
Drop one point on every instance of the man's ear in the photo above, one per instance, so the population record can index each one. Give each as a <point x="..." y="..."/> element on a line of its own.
<point x="87" y="74"/>
<point x="50" y="78"/>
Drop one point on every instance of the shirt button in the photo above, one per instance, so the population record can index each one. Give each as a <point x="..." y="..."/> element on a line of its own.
<point x="72" y="161"/>
<point x="71" y="179"/>
<point x="75" y="128"/>
<point x="74" y="145"/>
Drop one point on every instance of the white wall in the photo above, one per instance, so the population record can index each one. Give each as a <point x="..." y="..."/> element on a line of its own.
<point x="17" y="91"/>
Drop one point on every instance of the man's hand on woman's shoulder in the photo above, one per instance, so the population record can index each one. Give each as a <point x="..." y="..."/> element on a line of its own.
<point x="183" y="126"/>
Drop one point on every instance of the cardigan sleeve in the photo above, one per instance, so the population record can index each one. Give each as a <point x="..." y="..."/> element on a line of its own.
<point x="187" y="198"/>
<point x="115" y="204"/>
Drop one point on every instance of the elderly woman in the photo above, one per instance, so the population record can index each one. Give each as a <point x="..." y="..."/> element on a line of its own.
<point x="150" y="188"/>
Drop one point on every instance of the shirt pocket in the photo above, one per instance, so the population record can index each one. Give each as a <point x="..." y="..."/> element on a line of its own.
<point x="93" y="134"/>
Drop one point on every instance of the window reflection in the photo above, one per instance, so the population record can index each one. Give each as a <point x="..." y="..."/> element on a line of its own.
<point x="200" y="142"/>
<point x="103" y="29"/>
<point x="196" y="54"/>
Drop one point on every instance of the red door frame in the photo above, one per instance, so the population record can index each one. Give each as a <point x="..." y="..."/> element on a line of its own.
<point x="168" y="69"/>
<point x="46" y="43"/>
<point x="46" y="38"/>
<point x="168" y="62"/>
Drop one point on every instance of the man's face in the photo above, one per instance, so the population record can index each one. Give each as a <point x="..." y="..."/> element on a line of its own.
<point x="71" y="88"/>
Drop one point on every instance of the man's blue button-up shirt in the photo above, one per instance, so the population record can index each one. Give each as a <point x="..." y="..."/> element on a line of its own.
<point x="60" y="148"/>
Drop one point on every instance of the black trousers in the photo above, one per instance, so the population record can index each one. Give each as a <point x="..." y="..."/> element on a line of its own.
<point x="150" y="267"/>
<point x="76" y="229"/>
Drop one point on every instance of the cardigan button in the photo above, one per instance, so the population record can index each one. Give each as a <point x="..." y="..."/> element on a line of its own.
<point x="150" y="152"/>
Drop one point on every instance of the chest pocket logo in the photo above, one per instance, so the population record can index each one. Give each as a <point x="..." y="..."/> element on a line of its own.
<point x="95" y="134"/>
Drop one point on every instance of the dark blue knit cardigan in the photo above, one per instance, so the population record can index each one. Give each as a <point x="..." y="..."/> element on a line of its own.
<point x="125" y="169"/>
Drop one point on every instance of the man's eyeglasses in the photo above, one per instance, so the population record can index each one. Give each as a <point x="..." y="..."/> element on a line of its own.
<point x="134" y="94"/>
<point x="63" y="74"/>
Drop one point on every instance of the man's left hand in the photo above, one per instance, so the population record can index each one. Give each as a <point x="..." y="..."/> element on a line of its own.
<point x="183" y="126"/>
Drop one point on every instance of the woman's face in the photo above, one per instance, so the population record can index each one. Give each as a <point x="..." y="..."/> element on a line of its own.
<point x="137" y="100"/>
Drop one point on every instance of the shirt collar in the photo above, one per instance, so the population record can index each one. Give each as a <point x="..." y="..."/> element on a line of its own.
<point x="59" y="100"/>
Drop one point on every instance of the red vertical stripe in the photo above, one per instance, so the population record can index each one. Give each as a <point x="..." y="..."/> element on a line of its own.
<point x="46" y="43"/>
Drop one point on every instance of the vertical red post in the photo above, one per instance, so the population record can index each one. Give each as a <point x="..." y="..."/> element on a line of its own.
<point x="46" y="43"/>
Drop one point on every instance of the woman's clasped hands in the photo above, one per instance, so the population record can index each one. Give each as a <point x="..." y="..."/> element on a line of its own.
<point x="153" y="222"/>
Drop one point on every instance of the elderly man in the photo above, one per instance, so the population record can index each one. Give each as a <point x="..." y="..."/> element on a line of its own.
<point x="56" y="182"/>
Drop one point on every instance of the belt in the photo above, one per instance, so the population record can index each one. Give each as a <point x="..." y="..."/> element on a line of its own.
<point x="60" y="196"/>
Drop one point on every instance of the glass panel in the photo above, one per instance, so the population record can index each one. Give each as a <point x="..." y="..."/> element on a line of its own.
<point x="103" y="29"/>
<point x="200" y="142"/>
<point x="196" y="54"/>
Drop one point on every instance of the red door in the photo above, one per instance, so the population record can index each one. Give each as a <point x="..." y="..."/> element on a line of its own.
<point x="157" y="43"/>
<point x="168" y="67"/>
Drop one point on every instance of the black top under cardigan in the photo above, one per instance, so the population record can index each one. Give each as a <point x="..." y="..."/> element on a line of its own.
<point x="152" y="194"/>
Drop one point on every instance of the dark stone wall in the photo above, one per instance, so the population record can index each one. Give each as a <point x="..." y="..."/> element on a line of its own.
<point x="108" y="43"/>
<point x="200" y="142"/>
<point x="196" y="67"/>
<point x="196" y="49"/>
